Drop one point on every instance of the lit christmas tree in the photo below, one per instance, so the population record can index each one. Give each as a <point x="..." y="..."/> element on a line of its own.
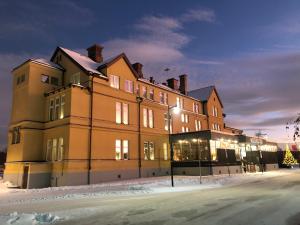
<point x="289" y="159"/>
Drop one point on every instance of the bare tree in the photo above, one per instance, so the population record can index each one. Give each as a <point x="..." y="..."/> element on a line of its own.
<point x="296" y="127"/>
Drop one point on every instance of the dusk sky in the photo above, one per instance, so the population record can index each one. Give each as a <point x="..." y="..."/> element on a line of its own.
<point x="249" y="49"/>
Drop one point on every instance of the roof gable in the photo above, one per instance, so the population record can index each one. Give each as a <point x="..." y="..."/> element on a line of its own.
<point x="203" y="94"/>
<point x="84" y="62"/>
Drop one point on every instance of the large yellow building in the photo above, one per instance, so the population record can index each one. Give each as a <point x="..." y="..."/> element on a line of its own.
<point x="80" y="119"/>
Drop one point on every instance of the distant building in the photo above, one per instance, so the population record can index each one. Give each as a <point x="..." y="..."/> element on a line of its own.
<point x="81" y="120"/>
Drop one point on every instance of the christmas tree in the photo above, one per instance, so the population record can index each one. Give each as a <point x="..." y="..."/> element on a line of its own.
<point x="289" y="159"/>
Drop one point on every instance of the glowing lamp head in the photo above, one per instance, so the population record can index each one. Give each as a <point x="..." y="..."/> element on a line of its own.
<point x="176" y="110"/>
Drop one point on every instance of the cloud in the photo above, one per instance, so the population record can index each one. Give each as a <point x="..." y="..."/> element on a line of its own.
<point x="200" y="15"/>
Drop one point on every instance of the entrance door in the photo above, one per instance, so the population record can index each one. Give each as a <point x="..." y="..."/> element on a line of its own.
<point x="25" y="177"/>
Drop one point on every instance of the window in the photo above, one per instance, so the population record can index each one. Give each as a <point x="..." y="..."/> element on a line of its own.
<point x="45" y="78"/>
<point x="118" y="149"/>
<point x="60" y="152"/>
<point x="57" y="105"/>
<point x="118" y="113"/>
<point x="16" y="136"/>
<point x="213" y="150"/>
<point x="215" y="111"/>
<point x="122" y="149"/>
<point x="51" y="110"/>
<point x="137" y="89"/>
<point x="151" y="94"/>
<point x="163" y="98"/>
<point x="150" y="117"/>
<point x="125" y="113"/>
<point x="75" y="78"/>
<point x="125" y="149"/>
<point x="22" y="79"/>
<point x="184" y="129"/>
<point x="49" y="150"/>
<point x="54" y="150"/>
<point x="187" y="129"/>
<point x="184" y="118"/>
<point x="145" y="117"/>
<point x="166" y="121"/>
<point x="197" y="125"/>
<point x="179" y="102"/>
<point x="195" y="108"/>
<point x="129" y="86"/>
<point x="165" y="150"/>
<point x="149" y="150"/>
<point x="62" y="107"/>
<point x="54" y="81"/>
<point x="144" y="92"/>
<point x="115" y="81"/>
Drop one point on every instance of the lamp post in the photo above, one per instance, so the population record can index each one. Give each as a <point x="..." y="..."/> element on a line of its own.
<point x="199" y="155"/>
<point x="139" y="101"/>
<point x="170" y="142"/>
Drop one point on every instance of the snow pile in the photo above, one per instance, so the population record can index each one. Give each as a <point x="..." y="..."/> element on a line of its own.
<point x="31" y="219"/>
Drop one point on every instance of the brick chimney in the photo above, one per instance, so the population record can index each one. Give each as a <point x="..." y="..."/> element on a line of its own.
<point x="173" y="83"/>
<point x="183" y="84"/>
<point x="95" y="53"/>
<point x="152" y="80"/>
<point x="138" y="67"/>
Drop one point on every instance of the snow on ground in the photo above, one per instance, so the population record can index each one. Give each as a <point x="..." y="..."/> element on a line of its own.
<point x="143" y="186"/>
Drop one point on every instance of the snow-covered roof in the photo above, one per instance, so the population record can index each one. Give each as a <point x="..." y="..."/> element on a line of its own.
<point x="84" y="61"/>
<point x="201" y="93"/>
<point x="46" y="62"/>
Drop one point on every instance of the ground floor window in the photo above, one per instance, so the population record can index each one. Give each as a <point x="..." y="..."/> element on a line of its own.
<point x="165" y="149"/>
<point x="55" y="149"/>
<point x="16" y="135"/>
<point x="122" y="149"/>
<point x="148" y="150"/>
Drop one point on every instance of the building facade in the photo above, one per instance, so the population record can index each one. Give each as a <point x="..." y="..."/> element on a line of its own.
<point x="80" y="119"/>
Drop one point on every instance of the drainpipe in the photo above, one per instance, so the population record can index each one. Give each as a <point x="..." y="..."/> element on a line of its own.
<point x="139" y="101"/>
<point x="91" y="90"/>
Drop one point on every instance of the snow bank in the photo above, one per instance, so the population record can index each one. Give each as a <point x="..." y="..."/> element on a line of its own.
<point x="29" y="219"/>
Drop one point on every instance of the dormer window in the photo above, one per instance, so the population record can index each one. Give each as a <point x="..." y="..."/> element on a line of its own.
<point x="75" y="78"/>
<point x="129" y="86"/>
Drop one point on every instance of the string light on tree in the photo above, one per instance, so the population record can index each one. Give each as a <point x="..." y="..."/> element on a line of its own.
<point x="289" y="159"/>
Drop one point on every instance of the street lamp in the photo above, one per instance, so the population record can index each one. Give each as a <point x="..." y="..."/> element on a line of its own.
<point x="176" y="111"/>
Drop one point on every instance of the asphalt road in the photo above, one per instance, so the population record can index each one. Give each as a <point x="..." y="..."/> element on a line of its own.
<point x="270" y="201"/>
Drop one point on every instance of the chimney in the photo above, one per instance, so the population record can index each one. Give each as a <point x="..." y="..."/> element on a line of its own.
<point x="95" y="53"/>
<point x="164" y="83"/>
<point x="173" y="83"/>
<point x="138" y="67"/>
<point x="183" y="84"/>
<point x="152" y="80"/>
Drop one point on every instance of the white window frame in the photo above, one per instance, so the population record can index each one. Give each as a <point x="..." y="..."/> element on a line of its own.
<point x="114" y="81"/>
<point x="129" y="86"/>
<point x="145" y="117"/>
<point x="150" y="118"/>
<point x="125" y="113"/>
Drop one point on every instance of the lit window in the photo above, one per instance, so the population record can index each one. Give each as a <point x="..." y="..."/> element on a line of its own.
<point x="151" y="149"/>
<point x="75" y="78"/>
<point x="187" y="129"/>
<point x="166" y="121"/>
<point x="118" y="113"/>
<point x="129" y="86"/>
<point x="150" y="113"/>
<point x="182" y="129"/>
<point x="57" y="105"/>
<point x="151" y="94"/>
<point x="165" y="149"/>
<point x="166" y="98"/>
<point x="213" y="150"/>
<point x="118" y="149"/>
<point x="182" y="117"/>
<point x="125" y="149"/>
<point x="125" y="113"/>
<point x="186" y="118"/>
<point x="51" y="110"/>
<point x="179" y="102"/>
<point x="195" y="107"/>
<point x="45" y="78"/>
<point x="216" y="112"/>
<point x="137" y="90"/>
<point x="62" y="107"/>
<point x="60" y="153"/>
<point x="115" y="81"/>
<point x="148" y="150"/>
<point x="145" y="117"/>
<point x="54" y="150"/>
<point x="196" y="125"/>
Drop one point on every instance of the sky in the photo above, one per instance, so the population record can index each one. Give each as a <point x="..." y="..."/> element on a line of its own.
<point x="250" y="50"/>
